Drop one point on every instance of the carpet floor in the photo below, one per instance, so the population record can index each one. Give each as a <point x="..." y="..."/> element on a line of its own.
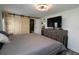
<point x="69" y="52"/>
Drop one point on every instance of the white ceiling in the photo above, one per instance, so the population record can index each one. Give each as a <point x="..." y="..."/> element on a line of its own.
<point x="29" y="9"/>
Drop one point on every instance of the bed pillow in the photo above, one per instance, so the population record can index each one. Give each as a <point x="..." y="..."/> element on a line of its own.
<point x="4" y="38"/>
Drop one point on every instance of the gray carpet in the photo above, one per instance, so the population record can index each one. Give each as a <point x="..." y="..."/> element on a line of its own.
<point x="69" y="52"/>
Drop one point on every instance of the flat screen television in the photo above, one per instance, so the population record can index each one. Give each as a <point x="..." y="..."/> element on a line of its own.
<point x="51" y="22"/>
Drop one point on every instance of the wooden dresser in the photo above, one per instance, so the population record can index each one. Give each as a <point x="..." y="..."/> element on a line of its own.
<point x="59" y="35"/>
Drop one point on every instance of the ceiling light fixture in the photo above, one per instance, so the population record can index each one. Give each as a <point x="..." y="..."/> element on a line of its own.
<point x="43" y="7"/>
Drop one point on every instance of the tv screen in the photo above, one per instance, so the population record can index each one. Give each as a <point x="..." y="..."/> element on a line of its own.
<point x="51" y="22"/>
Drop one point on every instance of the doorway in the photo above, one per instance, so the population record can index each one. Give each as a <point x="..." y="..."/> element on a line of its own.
<point x="31" y="25"/>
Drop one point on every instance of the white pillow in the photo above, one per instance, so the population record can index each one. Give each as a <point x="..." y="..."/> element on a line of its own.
<point x="4" y="39"/>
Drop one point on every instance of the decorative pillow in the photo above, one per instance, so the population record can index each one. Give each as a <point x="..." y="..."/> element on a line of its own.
<point x="4" y="39"/>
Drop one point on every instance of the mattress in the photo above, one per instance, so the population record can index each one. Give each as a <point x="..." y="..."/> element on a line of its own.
<point x="31" y="44"/>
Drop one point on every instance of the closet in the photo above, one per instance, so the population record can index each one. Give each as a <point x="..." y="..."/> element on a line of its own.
<point x="16" y="24"/>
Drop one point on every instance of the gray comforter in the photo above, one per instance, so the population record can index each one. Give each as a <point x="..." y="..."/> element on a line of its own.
<point x="31" y="44"/>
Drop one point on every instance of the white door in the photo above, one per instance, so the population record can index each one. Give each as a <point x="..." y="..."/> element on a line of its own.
<point x="37" y="26"/>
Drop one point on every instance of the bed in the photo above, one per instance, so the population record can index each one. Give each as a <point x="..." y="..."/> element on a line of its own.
<point x="31" y="44"/>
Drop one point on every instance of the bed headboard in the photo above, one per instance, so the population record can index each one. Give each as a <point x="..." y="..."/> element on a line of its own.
<point x="59" y="35"/>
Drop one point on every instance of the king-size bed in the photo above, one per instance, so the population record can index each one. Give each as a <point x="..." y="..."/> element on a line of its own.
<point x="31" y="44"/>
